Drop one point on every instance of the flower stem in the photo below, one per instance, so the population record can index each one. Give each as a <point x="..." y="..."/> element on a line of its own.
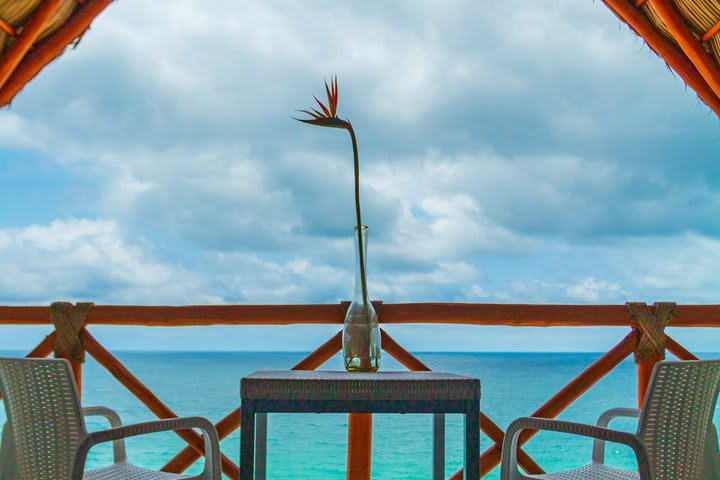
<point x="358" y="214"/>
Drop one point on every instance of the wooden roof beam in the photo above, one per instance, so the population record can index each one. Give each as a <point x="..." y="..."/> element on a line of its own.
<point x="663" y="47"/>
<point x="689" y="44"/>
<point x="24" y="41"/>
<point x="50" y="49"/>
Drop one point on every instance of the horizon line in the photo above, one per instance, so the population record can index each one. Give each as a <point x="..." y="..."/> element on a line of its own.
<point x="450" y="352"/>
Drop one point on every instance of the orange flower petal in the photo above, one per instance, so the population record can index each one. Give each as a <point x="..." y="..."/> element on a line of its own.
<point x="331" y="103"/>
<point x="324" y="109"/>
<point x="335" y="92"/>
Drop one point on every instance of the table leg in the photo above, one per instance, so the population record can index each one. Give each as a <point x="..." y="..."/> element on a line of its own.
<point x="439" y="446"/>
<point x="247" y="439"/>
<point x="472" y="441"/>
<point x="260" y="445"/>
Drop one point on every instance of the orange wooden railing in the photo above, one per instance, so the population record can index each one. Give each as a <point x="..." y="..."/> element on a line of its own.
<point x="71" y="330"/>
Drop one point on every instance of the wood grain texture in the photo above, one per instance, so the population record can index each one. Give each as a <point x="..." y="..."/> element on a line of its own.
<point x="359" y="453"/>
<point x="392" y="313"/>
<point x="644" y="373"/>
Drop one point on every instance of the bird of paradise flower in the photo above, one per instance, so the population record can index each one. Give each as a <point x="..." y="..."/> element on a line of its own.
<point x="328" y="118"/>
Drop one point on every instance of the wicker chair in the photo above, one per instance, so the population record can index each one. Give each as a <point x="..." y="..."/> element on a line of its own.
<point x="45" y="436"/>
<point x="674" y="439"/>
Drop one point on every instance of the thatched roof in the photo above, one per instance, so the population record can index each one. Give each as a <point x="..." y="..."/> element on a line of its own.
<point x="35" y="32"/>
<point x="685" y="33"/>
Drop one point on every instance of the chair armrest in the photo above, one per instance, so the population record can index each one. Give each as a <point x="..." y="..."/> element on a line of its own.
<point x="510" y="469"/>
<point x="604" y="419"/>
<point x="105" y="412"/>
<point x="598" y="453"/>
<point x="212" y="469"/>
<point x="119" y="454"/>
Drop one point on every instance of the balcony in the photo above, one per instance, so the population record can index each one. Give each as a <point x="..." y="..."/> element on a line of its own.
<point x="399" y="443"/>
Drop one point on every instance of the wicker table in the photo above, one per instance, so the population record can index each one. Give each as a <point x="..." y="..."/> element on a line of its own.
<point x="344" y="392"/>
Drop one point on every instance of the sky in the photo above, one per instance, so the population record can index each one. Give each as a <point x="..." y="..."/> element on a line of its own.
<point x="511" y="152"/>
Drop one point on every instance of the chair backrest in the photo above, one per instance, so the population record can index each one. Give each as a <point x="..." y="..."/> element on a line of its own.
<point x="677" y="416"/>
<point x="44" y="412"/>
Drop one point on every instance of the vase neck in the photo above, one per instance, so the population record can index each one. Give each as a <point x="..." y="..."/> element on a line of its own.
<point x="358" y="278"/>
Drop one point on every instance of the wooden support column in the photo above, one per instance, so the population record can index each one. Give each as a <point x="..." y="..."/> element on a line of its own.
<point x="69" y="321"/>
<point x="645" y="369"/>
<point x="651" y="347"/>
<point x="359" y="457"/>
<point x="359" y="446"/>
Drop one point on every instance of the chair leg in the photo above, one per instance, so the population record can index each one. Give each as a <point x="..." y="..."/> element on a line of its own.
<point x="472" y="442"/>
<point x="439" y="446"/>
<point x="247" y="440"/>
<point x="260" y="446"/>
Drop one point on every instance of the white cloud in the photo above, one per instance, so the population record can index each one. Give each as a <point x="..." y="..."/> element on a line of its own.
<point x="498" y="164"/>
<point x="14" y="130"/>
<point x="448" y="228"/>
<point x="682" y="267"/>
<point x="79" y="259"/>
<point x="442" y="283"/>
<point x="590" y="290"/>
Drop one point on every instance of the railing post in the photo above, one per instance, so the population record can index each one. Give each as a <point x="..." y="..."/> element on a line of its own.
<point x="359" y="446"/>
<point x="359" y="455"/>
<point x="644" y="370"/>
<point x="69" y="320"/>
<point x="651" y="347"/>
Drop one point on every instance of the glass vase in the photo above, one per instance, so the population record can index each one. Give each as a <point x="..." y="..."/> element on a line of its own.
<point x="361" y="331"/>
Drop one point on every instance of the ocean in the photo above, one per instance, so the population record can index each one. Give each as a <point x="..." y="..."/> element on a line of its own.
<point x="312" y="446"/>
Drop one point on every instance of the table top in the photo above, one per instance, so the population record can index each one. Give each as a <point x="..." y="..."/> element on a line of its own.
<point x="342" y="385"/>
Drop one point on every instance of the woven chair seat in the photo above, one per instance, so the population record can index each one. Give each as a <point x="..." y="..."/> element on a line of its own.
<point x="591" y="472"/>
<point x="127" y="471"/>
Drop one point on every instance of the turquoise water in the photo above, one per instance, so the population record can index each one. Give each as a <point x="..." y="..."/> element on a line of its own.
<point x="314" y="446"/>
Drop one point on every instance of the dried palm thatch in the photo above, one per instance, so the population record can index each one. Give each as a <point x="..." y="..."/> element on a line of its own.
<point x="14" y="13"/>
<point x="653" y="16"/>
<point x="701" y="16"/>
<point x="35" y="32"/>
<point x="704" y="17"/>
<point x="685" y="33"/>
